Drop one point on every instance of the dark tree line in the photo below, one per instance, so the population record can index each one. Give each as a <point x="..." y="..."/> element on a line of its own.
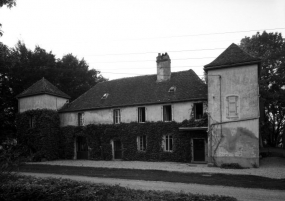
<point x="270" y="48"/>
<point x="21" y="67"/>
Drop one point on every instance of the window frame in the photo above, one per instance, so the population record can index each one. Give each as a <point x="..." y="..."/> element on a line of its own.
<point x="142" y="143"/>
<point x="195" y="111"/>
<point x="229" y="100"/>
<point x="141" y="114"/>
<point x="168" y="143"/>
<point x="31" y="122"/>
<point x="117" y="116"/>
<point x="164" y="113"/>
<point x="80" y="119"/>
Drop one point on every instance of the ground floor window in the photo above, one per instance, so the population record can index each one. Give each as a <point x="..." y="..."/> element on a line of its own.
<point x="168" y="143"/>
<point x="141" y="140"/>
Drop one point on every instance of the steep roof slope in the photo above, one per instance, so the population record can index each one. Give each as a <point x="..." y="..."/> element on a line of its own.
<point x="233" y="55"/>
<point x="43" y="86"/>
<point x="141" y="90"/>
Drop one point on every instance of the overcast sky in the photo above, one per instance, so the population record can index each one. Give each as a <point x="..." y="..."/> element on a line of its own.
<point x="122" y="38"/>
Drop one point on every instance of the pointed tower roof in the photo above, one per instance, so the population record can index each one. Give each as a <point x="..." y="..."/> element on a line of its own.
<point x="43" y="86"/>
<point x="232" y="56"/>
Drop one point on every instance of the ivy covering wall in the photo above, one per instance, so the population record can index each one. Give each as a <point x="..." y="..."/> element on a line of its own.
<point x="46" y="140"/>
<point x="41" y="136"/>
<point x="100" y="136"/>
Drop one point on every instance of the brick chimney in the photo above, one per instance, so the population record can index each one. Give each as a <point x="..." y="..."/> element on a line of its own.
<point x="163" y="67"/>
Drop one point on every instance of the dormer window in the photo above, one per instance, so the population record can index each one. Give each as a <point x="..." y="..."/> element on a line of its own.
<point x="172" y="89"/>
<point x="105" y="96"/>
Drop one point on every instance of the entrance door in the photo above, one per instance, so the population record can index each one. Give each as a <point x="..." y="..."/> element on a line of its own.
<point x="117" y="149"/>
<point x="82" y="148"/>
<point x="198" y="150"/>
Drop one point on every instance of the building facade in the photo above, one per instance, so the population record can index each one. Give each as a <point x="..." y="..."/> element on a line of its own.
<point x="230" y="99"/>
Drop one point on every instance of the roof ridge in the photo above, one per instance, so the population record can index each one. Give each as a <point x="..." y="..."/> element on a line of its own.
<point x="232" y="55"/>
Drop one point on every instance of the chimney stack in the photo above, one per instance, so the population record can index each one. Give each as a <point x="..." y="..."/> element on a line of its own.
<point x="163" y="67"/>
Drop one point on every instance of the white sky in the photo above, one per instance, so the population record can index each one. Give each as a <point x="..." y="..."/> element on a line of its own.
<point x="106" y="33"/>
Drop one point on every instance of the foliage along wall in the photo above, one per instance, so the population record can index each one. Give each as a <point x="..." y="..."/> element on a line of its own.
<point x="41" y="136"/>
<point x="99" y="137"/>
<point x="47" y="141"/>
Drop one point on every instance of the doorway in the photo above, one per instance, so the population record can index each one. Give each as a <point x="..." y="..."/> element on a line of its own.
<point x="82" y="148"/>
<point x="198" y="151"/>
<point x="117" y="149"/>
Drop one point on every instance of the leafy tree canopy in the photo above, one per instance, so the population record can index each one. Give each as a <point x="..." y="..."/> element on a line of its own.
<point x="270" y="48"/>
<point x="9" y="4"/>
<point x="22" y="67"/>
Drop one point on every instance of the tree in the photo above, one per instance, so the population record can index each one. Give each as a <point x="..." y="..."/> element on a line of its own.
<point x="270" y="48"/>
<point x="9" y="4"/>
<point x="22" y="67"/>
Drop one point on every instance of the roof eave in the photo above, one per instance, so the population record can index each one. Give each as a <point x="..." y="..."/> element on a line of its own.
<point x="42" y="93"/>
<point x="206" y="68"/>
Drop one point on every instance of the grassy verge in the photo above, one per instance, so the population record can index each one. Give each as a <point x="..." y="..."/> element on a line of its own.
<point x="33" y="189"/>
<point x="245" y="181"/>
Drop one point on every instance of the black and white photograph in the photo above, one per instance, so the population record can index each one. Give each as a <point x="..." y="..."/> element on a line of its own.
<point x="142" y="100"/>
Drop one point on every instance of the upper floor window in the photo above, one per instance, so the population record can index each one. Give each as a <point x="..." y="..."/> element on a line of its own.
<point x="117" y="116"/>
<point x="141" y="114"/>
<point x="167" y="113"/>
<point x="32" y="122"/>
<point x="198" y="110"/>
<point x="80" y="119"/>
<point x="141" y="140"/>
<point x="167" y="143"/>
<point x="232" y="106"/>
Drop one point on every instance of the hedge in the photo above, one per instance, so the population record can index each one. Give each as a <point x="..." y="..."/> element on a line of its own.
<point x="32" y="189"/>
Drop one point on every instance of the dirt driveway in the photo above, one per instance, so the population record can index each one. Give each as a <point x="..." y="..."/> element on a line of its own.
<point x="239" y="193"/>
<point x="272" y="167"/>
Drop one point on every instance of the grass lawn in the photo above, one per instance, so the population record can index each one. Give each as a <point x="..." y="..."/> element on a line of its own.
<point x="245" y="181"/>
<point x="34" y="189"/>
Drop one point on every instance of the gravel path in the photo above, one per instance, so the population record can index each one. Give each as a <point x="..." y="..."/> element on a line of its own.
<point x="272" y="167"/>
<point x="239" y="193"/>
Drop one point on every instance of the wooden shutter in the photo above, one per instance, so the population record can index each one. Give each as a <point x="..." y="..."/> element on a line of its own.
<point x="82" y="117"/>
<point x="172" y="113"/>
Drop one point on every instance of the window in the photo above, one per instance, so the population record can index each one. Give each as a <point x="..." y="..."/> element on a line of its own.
<point x="117" y="116"/>
<point x="232" y="106"/>
<point x="172" y="89"/>
<point x="105" y="96"/>
<point x="141" y="140"/>
<point x="168" y="143"/>
<point x="141" y="114"/>
<point x="167" y="113"/>
<point x="80" y="119"/>
<point x="198" y="110"/>
<point x="32" y="121"/>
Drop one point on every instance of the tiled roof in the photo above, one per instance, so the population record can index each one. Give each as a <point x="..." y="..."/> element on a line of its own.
<point x="141" y="90"/>
<point x="43" y="86"/>
<point x="233" y="55"/>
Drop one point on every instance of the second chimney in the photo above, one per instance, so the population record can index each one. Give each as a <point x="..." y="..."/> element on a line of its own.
<point x="163" y="67"/>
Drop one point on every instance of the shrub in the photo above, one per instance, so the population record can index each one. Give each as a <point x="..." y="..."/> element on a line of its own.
<point x="231" y="166"/>
<point x="29" y="188"/>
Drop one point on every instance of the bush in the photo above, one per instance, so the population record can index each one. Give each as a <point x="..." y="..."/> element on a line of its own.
<point x="11" y="157"/>
<point x="43" y="138"/>
<point x="231" y="166"/>
<point x="29" y="188"/>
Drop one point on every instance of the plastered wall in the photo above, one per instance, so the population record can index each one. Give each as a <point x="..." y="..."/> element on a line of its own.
<point x="180" y="112"/>
<point x="44" y="101"/>
<point x="235" y="140"/>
